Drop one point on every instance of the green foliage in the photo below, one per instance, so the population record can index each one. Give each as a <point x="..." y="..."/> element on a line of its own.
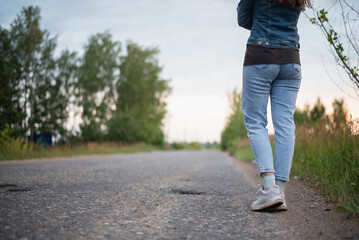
<point x="140" y="106"/>
<point x="327" y="152"/>
<point x="64" y="87"/>
<point x="318" y="111"/>
<point x="347" y="57"/>
<point x="11" y="112"/>
<point x="13" y="147"/>
<point x="186" y="146"/>
<point x="333" y="161"/>
<point x="311" y="117"/>
<point x="33" y="77"/>
<point x="52" y="98"/>
<point x="96" y="84"/>
<point x="38" y="90"/>
<point x="120" y="99"/>
<point x="301" y="116"/>
<point x="211" y="145"/>
<point x="31" y="48"/>
<point x="235" y="127"/>
<point x="243" y="150"/>
<point x="340" y="115"/>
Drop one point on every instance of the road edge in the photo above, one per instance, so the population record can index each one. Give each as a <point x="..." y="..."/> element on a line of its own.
<point x="309" y="215"/>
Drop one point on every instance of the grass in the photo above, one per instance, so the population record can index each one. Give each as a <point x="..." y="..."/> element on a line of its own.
<point x="243" y="150"/>
<point x="329" y="157"/>
<point x="18" y="150"/>
<point x="186" y="146"/>
<point x="326" y="158"/>
<point x="15" y="148"/>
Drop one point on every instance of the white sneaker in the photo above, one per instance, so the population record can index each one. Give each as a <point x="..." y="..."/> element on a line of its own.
<point x="282" y="207"/>
<point x="267" y="199"/>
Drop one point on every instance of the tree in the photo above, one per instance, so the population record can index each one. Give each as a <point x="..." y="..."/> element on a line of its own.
<point x="301" y="116"/>
<point x="35" y="84"/>
<point x="27" y="38"/>
<point x="344" y="44"/>
<point x="340" y="115"/>
<point x="235" y="127"/>
<point x="96" y="84"/>
<point x="140" y="106"/>
<point x="41" y="98"/>
<point x="59" y="89"/>
<point x="66" y="79"/>
<point x="11" y="113"/>
<point x="318" y="111"/>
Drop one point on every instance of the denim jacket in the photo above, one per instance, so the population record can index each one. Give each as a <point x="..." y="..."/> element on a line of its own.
<point x="271" y="24"/>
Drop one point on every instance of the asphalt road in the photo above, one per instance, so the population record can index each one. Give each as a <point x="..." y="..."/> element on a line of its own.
<point x="158" y="195"/>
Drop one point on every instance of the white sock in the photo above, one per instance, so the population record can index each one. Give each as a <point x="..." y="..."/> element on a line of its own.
<point x="268" y="181"/>
<point x="281" y="184"/>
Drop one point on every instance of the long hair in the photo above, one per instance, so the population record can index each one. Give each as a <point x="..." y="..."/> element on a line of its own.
<point x="295" y="3"/>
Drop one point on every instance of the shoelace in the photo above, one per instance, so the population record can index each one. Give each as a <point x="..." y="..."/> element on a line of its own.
<point x="261" y="187"/>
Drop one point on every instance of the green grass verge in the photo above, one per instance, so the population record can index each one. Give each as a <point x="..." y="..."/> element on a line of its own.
<point x="27" y="151"/>
<point x="328" y="162"/>
<point x="16" y="149"/>
<point x="244" y="153"/>
<point x="242" y="150"/>
<point x="186" y="146"/>
<point x="332" y="163"/>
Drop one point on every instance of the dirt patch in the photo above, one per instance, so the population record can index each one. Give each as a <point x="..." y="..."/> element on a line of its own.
<point x="309" y="215"/>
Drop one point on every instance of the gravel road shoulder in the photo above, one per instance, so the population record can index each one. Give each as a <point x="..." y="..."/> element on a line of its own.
<point x="309" y="215"/>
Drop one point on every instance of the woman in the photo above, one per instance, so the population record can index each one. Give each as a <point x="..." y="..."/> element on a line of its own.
<point x="271" y="69"/>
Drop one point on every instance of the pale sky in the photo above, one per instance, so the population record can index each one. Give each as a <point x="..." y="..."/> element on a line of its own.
<point x="202" y="51"/>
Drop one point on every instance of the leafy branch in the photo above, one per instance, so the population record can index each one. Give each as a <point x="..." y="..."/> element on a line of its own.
<point x="336" y="44"/>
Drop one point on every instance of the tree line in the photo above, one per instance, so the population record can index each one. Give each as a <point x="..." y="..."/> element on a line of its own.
<point x="307" y="118"/>
<point x="118" y="97"/>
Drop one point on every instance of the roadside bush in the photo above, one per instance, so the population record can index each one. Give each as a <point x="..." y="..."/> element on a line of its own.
<point x="13" y="147"/>
<point x="235" y="127"/>
<point x="186" y="146"/>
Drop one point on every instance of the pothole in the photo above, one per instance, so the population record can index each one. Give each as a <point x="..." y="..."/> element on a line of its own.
<point x="18" y="190"/>
<point x="7" y="185"/>
<point x="187" y="192"/>
<point x="12" y="188"/>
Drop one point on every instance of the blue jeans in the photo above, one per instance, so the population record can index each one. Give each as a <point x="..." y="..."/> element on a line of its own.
<point x="281" y="83"/>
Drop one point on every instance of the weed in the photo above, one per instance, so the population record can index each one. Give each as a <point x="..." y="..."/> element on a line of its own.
<point x="330" y="154"/>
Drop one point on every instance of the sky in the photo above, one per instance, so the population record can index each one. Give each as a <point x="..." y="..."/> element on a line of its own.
<point x="201" y="52"/>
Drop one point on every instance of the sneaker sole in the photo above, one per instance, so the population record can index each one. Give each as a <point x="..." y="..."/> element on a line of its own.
<point x="270" y="204"/>
<point x="280" y="208"/>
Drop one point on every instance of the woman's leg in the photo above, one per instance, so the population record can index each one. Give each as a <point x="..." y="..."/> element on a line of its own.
<point x="283" y="102"/>
<point x="257" y="84"/>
